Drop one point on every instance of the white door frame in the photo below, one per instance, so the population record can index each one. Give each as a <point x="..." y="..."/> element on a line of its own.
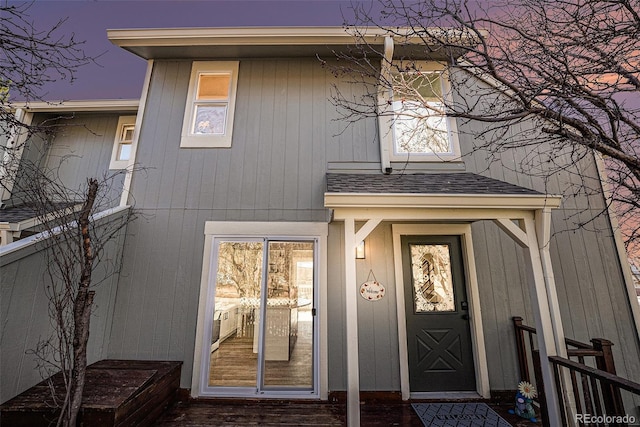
<point x="477" y="333"/>
<point x="235" y="229"/>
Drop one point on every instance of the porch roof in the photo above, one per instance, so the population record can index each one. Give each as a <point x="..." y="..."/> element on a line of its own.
<point x="453" y="200"/>
<point x="434" y="190"/>
<point x="431" y="183"/>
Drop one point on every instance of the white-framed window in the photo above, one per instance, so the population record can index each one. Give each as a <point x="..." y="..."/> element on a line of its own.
<point x="422" y="132"/>
<point x="210" y="107"/>
<point x="123" y="142"/>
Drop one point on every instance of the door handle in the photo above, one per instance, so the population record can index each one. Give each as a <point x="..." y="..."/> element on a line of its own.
<point x="465" y="317"/>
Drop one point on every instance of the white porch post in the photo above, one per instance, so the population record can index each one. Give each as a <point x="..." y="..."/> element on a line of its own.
<point x="545" y="326"/>
<point x="543" y="231"/>
<point x="351" y="303"/>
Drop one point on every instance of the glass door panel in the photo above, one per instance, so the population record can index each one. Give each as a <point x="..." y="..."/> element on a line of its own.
<point x="431" y="278"/>
<point x="235" y="329"/>
<point x="288" y="328"/>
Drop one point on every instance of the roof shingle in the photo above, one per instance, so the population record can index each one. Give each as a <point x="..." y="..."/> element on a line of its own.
<point x="433" y="183"/>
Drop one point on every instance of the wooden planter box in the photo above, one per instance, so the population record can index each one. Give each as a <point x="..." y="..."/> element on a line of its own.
<point x="117" y="393"/>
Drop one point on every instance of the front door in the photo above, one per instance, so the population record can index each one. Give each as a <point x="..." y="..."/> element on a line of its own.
<point x="438" y="333"/>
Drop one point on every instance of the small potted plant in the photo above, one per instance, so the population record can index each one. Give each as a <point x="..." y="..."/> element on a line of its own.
<point x="524" y="401"/>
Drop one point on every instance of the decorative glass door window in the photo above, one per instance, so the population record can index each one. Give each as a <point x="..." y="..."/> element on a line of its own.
<point x="431" y="278"/>
<point x="261" y="317"/>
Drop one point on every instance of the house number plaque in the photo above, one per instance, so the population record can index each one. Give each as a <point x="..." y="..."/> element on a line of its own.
<point x="372" y="290"/>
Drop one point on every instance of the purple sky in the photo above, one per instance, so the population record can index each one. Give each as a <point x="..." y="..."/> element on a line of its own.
<point x="119" y="74"/>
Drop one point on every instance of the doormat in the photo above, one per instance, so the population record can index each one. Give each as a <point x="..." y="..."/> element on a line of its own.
<point x="458" y="415"/>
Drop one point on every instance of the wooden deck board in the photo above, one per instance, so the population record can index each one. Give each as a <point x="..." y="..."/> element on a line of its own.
<point x="227" y="413"/>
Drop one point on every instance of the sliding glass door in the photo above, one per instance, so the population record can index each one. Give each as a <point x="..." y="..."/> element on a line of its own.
<point x="261" y="318"/>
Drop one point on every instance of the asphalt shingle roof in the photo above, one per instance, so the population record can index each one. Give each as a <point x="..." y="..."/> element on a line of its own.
<point x="19" y="213"/>
<point x="432" y="183"/>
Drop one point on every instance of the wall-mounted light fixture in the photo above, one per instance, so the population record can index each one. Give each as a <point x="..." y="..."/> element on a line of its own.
<point x="360" y="253"/>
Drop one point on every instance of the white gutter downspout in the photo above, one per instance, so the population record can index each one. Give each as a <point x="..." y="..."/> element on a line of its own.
<point x="385" y="110"/>
<point x="131" y="165"/>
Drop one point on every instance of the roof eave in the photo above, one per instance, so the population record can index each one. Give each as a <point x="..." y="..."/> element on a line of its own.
<point x="80" y="106"/>
<point x="157" y="43"/>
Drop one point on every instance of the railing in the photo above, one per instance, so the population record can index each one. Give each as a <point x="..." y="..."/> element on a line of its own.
<point x="586" y="395"/>
<point x="597" y="393"/>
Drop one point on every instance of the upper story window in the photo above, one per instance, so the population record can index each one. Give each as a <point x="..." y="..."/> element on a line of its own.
<point x="123" y="142"/>
<point x="421" y="129"/>
<point x="208" y="117"/>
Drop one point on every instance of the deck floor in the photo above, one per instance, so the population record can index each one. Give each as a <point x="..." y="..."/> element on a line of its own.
<point x="291" y="413"/>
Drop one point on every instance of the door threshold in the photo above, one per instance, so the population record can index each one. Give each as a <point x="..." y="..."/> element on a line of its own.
<point x="446" y="395"/>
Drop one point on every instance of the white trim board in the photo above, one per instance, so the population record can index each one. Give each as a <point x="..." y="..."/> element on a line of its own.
<point x="477" y="332"/>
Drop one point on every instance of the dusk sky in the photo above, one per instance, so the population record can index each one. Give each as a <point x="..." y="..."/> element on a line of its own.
<point x="119" y="74"/>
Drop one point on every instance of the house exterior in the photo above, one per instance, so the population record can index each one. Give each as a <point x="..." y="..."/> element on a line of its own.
<point x="253" y="199"/>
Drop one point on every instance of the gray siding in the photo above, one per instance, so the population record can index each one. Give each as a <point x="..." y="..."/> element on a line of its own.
<point x="24" y="321"/>
<point x="285" y="137"/>
<point x="377" y="325"/>
<point x="80" y="148"/>
<point x="588" y="275"/>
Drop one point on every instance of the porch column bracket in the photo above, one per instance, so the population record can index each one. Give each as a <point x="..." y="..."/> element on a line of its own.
<point x="366" y="229"/>
<point x="514" y="231"/>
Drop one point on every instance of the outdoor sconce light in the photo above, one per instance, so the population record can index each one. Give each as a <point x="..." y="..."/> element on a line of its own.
<point x="360" y="250"/>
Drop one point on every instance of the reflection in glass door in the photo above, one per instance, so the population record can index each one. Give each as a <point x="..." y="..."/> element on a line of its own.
<point x="288" y="336"/>
<point x="271" y="280"/>
<point x="233" y="361"/>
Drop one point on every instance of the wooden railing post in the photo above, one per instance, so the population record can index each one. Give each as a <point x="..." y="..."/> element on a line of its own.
<point x="542" y="398"/>
<point x="521" y="348"/>
<point x="610" y="394"/>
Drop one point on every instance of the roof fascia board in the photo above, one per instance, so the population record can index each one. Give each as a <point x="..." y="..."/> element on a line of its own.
<point x="441" y="201"/>
<point x="268" y="36"/>
<point x="448" y="215"/>
<point x="88" y="106"/>
<point x="240" y="36"/>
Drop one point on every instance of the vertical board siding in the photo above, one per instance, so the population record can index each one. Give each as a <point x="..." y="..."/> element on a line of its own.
<point x="274" y="171"/>
<point x="280" y="108"/>
<point x="81" y="149"/>
<point x="336" y="316"/>
<point x="377" y="331"/>
<point x="285" y="133"/>
<point x="587" y="272"/>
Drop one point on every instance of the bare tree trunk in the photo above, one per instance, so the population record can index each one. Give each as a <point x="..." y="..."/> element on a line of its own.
<point x="82" y="308"/>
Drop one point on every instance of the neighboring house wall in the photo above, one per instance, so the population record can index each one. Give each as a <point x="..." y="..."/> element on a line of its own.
<point x="24" y="310"/>
<point x="79" y="148"/>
